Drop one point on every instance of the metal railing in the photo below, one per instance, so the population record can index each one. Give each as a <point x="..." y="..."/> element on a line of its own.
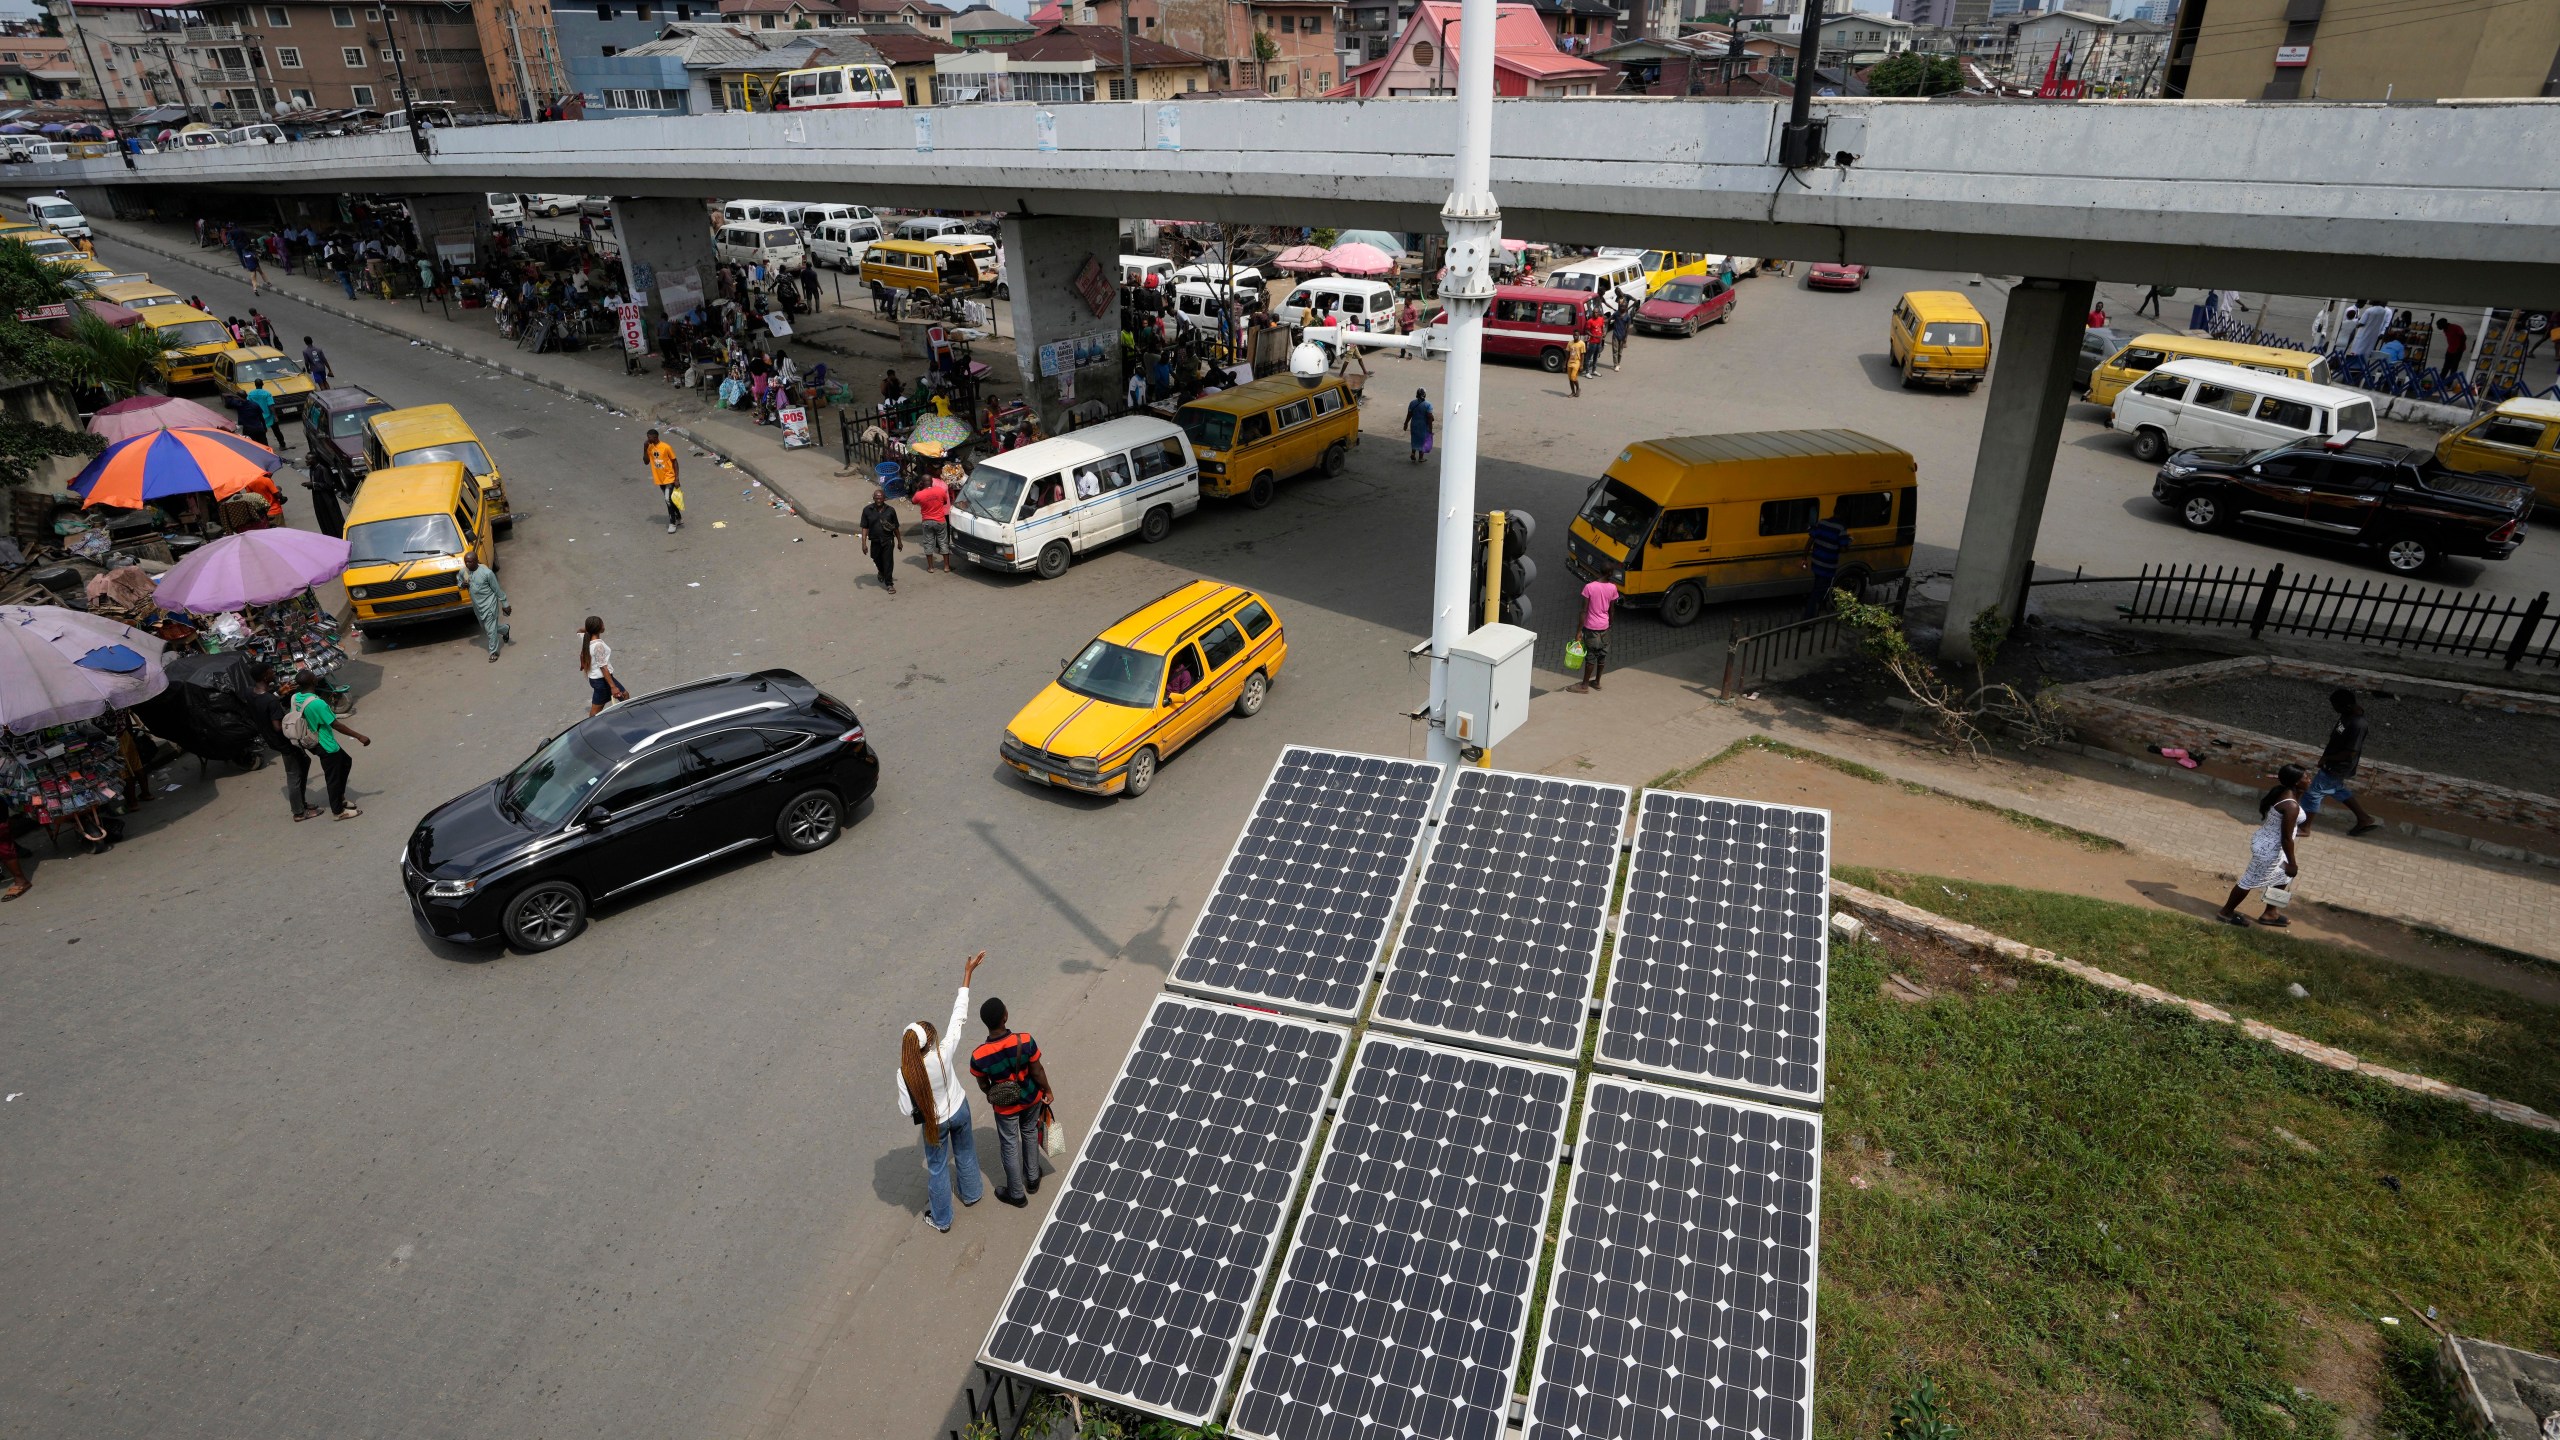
<point x="210" y="34"/>
<point x="2362" y="612"/>
<point x="1750" y="656"/>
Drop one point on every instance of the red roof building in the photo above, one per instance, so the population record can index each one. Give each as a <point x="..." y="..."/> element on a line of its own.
<point x="1424" y="61"/>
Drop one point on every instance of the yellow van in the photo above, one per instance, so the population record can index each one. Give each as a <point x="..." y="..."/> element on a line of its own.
<point x="2145" y="353"/>
<point x="929" y="267"/>
<point x="406" y="535"/>
<point x="1938" y="338"/>
<point x="430" y="435"/>
<point x="2520" y="438"/>
<point x="193" y="338"/>
<point x="1726" y="517"/>
<point x="1661" y="267"/>
<point x="1254" y="436"/>
<point x="139" y="295"/>
<point x="1148" y="686"/>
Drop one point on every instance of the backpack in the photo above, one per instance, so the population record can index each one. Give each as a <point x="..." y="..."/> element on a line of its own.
<point x="297" y="727"/>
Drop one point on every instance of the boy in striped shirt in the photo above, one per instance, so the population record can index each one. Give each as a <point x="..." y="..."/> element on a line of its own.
<point x="1009" y="1073"/>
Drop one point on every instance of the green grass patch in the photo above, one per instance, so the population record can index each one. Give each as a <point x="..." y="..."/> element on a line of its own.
<point x="2395" y="1014"/>
<point x="2083" y="1215"/>
<point x="1679" y="779"/>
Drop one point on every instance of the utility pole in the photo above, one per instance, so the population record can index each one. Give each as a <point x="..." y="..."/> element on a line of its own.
<point x="1801" y="143"/>
<point x="178" y="75"/>
<point x="1128" y="75"/>
<point x="400" y="74"/>
<point x="124" y="142"/>
<point x="524" y="81"/>
<point x="1474" y="223"/>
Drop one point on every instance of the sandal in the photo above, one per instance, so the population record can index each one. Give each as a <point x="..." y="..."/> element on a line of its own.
<point x="2366" y="828"/>
<point x="14" y="892"/>
<point x="2276" y="923"/>
<point x="2227" y="918"/>
<point x="313" y="813"/>
<point x="349" y="813"/>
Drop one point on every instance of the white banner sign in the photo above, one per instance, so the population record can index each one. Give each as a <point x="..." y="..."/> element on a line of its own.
<point x="634" y="339"/>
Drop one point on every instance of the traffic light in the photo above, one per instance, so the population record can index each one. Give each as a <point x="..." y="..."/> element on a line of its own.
<point x="1502" y="549"/>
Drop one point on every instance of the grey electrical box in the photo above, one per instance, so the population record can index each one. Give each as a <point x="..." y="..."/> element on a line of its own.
<point x="1489" y="685"/>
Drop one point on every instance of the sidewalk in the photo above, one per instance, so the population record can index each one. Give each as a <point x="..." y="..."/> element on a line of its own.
<point x="1648" y="725"/>
<point x="811" y="481"/>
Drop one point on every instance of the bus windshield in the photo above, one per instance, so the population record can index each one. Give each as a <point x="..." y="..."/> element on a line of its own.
<point x="1209" y="429"/>
<point x="406" y="537"/>
<point x="991" y="491"/>
<point x="1620" y="513"/>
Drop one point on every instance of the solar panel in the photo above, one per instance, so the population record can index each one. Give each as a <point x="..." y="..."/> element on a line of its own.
<point x="1723" y="949"/>
<point x="1681" y="1307"/>
<point x="1299" y="915"/>
<point x="1141" y="1282"/>
<point x="1503" y="936"/>
<point x="1405" y="1294"/>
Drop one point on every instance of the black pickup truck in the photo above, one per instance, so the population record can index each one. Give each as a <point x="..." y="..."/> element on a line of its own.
<point x="2368" y="493"/>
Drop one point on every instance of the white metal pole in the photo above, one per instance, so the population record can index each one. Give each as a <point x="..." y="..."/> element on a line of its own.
<point x="1466" y="291"/>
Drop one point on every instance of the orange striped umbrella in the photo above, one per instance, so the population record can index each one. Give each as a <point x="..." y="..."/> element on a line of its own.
<point x="132" y="473"/>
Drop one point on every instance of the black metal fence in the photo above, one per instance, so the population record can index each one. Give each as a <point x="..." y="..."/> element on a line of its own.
<point x="1748" y="656"/>
<point x="2363" y="612"/>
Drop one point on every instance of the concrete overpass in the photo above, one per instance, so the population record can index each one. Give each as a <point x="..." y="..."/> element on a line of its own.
<point x="2441" y="199"/>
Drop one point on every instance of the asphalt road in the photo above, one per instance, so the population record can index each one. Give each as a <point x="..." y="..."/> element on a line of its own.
<point x="279" y="1165"/>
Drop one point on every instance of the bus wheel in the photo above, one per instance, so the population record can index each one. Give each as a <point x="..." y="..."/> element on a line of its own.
<point x="1552" y="361"/>
<point x="1336" y="456"/>
<point x="1681" y="605"/>
<point x="1054" y="559"/>
<point x="1258" y="494"/>
<point x="1157" y="525"/>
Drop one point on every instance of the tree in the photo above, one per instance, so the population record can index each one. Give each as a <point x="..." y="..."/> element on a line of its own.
<point x="30" y="352"/>
<point x="119" y="359"/>
<point x="1912" y="73"/>
<point x="1965" y="714"/>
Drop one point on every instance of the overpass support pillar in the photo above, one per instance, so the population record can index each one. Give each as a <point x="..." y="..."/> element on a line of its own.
<point x="452" y="219"/>
<point x="2030" y="389"/>
<point x="1044" y="255"/>
<point x="666" y="254"/>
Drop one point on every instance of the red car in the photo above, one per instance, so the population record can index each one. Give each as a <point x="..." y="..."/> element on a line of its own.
<point x="1685" y="305"/>
<point x="1836" y="277"/>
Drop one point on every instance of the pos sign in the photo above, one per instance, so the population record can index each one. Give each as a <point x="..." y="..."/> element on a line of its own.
<point x="634" y="339"/>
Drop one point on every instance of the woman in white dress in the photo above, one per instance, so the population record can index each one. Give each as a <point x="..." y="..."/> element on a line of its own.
<point x="2270" y="848"/>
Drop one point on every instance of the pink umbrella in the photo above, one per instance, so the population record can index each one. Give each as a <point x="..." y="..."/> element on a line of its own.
<point x="1359" y="259"/>
<point x="145" y="413"/>
<point x="1300" y="260"/>
<point x="256" y="567"/>
<point x="1514" y="246"/>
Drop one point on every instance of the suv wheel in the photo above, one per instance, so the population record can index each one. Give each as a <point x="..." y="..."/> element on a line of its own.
<point x="811" y="821"/>
<point x="2149" y="445"/>
<point x="2201" y="512"/>
<point x="545" y="916"/>
<point x="2407" y="554"/>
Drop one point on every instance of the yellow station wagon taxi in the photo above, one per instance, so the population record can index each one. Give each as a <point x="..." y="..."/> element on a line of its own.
<point x="1148" y="686"/>
<point x="240" y="369"/>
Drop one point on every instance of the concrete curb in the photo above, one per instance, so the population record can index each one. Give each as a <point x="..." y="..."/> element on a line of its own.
<point x="326" y="307"/>
<point x="1911" y="920"/>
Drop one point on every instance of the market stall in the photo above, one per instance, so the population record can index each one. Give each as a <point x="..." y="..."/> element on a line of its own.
<point x="71" y="757"/>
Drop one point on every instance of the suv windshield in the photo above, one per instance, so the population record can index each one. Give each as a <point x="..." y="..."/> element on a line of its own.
<point x="1619" y="513"/>
<point x="1115" y="673"/>
<point x="473" y="458"/>
<point x="1209" y="429"/>
<point x="348" y="424"/>
<point x="991" y="491"/>
<point x="548" y="788"/>
<point x="388" y="542"/>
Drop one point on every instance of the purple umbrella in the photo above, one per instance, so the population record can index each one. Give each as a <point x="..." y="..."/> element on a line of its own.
<point x="143" y="414"/>
<point x="59" y="665"/>
<point x="258" y="567"/>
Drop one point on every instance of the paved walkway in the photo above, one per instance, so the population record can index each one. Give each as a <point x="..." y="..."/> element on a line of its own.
<point x="854" y="343"/>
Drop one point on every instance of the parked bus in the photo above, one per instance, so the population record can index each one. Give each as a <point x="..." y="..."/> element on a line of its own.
<point x="837" y="87"/>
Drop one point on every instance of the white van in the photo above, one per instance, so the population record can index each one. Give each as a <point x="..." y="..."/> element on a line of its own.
<point x="811" y="217"/>
<point x="1244" y="279"/>
<point x="754" y="242"/>
<point x="1196" y="306"/>
<point x="1622" y="273"/>
<point x="936" y="227"/>
<point x="1039" y="507"/>
<point x="254" y="135"/>
<point x="1134" y="269"/>
<point x="1741" y="265"/>
<point x="840" y="244"/>
<point x="40" y="152"/>
<point x="59" y="216"/>
<point x="1341" y="300"/>
<point x="760" y="212"/>
<point x="506" y="209"/>
<point x="2190" y="403"/>
<point x="552" y="204"/>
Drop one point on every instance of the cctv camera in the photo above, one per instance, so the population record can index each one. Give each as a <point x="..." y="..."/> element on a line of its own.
<point x="1310" y="362"/>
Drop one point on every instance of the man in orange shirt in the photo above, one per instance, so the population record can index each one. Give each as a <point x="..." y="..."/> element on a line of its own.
<point x="1009" y="1073"/>
<point x="660" y="457"/>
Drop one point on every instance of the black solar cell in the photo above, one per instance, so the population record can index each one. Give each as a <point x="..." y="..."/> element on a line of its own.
<point x="1502" y="940"/>
<point x="1141" y="1282"/>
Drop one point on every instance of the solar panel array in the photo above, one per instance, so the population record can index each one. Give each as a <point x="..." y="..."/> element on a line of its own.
<point x="1722" y="953"/>
<point x="1302" y="909"/>
<point x="1141" y="1281"/>
<point x="1405" y="1295"/>
<point x="1681" y="1306"/>
<point x="1502" y="939"/>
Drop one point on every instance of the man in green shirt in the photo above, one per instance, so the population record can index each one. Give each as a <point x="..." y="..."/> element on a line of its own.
<point x="326" y="727"/>
<point x="489" y="603"/>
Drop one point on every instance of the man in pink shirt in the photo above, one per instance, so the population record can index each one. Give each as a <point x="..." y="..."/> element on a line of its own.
<point x="1598" y="598"/>
<point x="933" y="506"/>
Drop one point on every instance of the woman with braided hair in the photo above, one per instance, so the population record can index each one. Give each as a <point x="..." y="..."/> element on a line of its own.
<point x="930" y="1094"/>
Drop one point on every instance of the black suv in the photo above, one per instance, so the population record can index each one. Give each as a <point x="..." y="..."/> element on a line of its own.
<point x="333" y="429"/>
<point x="2368" y="493"/>
<point x="649" y="788"/>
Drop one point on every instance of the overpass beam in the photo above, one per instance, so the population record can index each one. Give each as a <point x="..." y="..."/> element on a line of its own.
<point x="1043" y="255"/>
<point x="2013" y="467"/>
<point x="667" y="260"/>
<point x="454" y="219"/>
